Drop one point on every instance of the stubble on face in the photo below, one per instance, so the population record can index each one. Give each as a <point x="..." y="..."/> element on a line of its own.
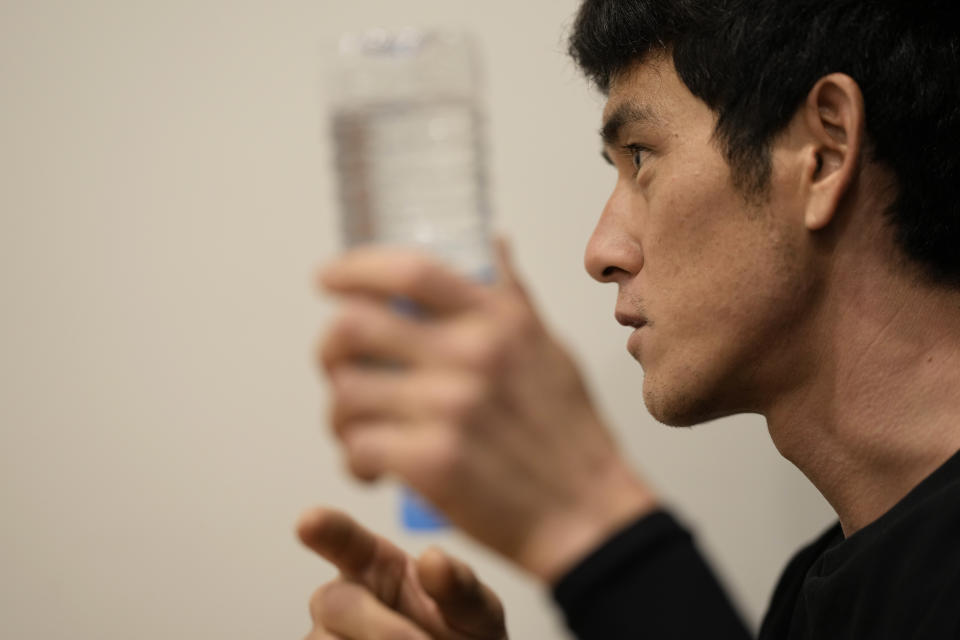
<point x="722" y="282"/>
<point x="755" y="321"/>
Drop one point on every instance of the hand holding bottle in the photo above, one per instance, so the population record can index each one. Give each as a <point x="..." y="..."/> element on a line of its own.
<point x="484" y="413"/>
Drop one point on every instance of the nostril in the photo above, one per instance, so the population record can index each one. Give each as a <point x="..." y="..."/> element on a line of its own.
<point x="609" y="271"/>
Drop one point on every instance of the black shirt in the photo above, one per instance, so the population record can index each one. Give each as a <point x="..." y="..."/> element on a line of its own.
<point x="897" y="578"/>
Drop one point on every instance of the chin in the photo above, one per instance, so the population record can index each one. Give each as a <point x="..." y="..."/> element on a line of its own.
<point x="678" y="406"/>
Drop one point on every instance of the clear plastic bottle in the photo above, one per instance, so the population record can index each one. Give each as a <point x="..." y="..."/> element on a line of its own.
<point x="407" y="122"/>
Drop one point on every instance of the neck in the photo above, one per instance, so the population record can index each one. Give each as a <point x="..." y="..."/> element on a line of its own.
<point x="880" y="407"/>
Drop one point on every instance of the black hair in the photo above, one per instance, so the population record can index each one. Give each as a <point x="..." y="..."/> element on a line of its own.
<point x="753" y="62"/>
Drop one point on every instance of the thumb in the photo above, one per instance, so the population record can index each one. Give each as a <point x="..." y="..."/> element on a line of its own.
<point x="467" y="605"/>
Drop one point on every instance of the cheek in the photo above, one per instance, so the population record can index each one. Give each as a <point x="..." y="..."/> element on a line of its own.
<point x="689" y="230"/>
<point x="711" y="261"/>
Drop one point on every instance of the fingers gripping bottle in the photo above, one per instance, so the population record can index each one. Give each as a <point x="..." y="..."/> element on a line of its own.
<point x="407" y="124"/>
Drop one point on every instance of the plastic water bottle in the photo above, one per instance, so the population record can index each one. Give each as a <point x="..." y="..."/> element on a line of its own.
<point x="407" y="123"/>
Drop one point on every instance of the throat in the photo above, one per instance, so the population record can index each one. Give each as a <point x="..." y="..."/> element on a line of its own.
<point x="866" y="440"/>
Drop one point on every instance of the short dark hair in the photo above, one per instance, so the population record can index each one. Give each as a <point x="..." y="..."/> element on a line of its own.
<point x="753" y="62"/>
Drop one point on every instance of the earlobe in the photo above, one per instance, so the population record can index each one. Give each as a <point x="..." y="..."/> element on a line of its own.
<point x="817" y="219"/>
<point x="833" y="117"/>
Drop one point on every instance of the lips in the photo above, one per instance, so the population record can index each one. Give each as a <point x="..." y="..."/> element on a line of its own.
<point x="630" y="320"/>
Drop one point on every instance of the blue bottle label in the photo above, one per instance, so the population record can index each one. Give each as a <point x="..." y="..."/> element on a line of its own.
<point x="417" y="515"/>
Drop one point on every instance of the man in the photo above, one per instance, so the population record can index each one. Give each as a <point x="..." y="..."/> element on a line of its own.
<point x="785" y="236"/>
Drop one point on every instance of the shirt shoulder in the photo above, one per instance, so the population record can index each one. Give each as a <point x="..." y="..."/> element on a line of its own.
<point x="776" y="622"/>
<point x="897" y="578"/>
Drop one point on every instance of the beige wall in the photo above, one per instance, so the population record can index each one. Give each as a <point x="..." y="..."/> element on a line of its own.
<point x="164" y="196"/>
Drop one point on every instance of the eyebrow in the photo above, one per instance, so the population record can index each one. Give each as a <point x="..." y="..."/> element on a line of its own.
<point x="626" y="113"/>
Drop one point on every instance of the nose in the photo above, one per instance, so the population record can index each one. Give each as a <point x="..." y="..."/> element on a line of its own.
<point x="614" y="252"/>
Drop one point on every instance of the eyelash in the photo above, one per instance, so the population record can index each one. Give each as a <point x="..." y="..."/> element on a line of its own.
<point x="634" y="151"/>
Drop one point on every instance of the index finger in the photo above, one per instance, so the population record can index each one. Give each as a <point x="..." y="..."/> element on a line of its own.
<point x="348" y="546"/>
<point x="393" y="272"/>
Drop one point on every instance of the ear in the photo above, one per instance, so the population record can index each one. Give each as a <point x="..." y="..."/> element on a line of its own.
<point x="834" y="119"/>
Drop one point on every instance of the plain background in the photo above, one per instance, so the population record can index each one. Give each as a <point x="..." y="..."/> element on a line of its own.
<point x="165" y="195"/>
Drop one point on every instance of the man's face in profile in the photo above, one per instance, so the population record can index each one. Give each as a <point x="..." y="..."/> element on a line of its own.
<point x="712" y="282"/>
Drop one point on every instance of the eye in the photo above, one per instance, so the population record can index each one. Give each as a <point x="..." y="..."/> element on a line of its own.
<point x="636" y="153"/>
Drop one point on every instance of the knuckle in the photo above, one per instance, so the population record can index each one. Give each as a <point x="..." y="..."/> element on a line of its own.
<point x="463" y="400"/>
